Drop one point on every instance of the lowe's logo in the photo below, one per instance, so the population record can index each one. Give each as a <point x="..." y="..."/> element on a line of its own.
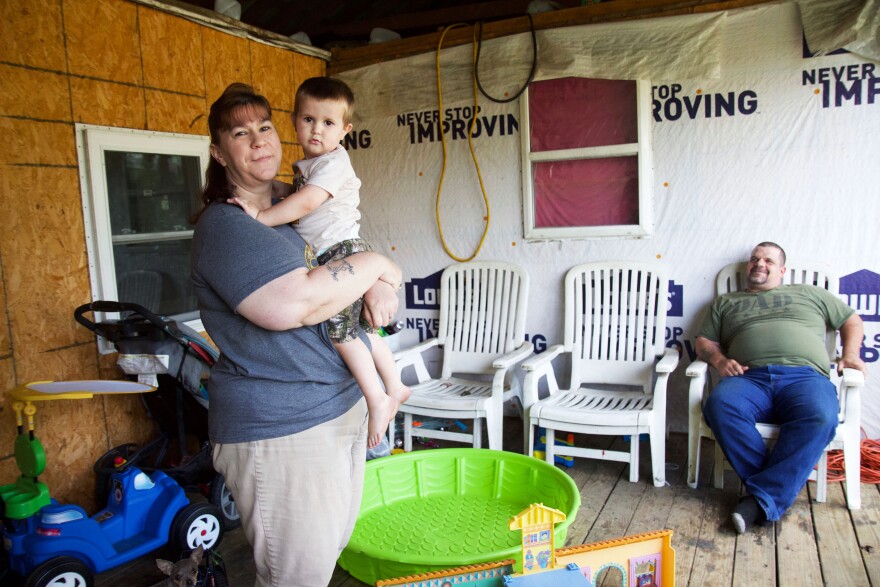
<point x="675" y="306"/>
<point x="861" y="290"/>
<point x="424" y="293"/>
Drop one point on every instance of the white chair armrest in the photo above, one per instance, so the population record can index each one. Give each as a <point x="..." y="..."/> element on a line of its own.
<point x="853" y="378"/>
<point x="698" y="372"/>
<point x="408" y="356"/>
<point x="669" y="362"/>
<point x="513" y="357"/>
<point x="412" y="357"/>
<point x="697" y="369"/>
<point x="536" y="369"/>
<point x="849" y="394"/>
<point x="540" y="361"/>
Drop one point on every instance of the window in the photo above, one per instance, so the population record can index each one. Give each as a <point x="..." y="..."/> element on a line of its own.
<point x="587" y="165"/>
<point x="138" y="190"/>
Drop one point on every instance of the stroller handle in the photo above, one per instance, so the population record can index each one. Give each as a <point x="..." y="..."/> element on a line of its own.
<point x="107" y="306"/>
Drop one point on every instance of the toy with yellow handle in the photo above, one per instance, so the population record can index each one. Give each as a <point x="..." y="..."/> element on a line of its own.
<point x="27" y="495"/>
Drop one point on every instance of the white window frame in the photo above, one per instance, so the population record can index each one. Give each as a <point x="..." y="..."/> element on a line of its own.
<point x="642" y="149"/>
<point x="91" y="143"/>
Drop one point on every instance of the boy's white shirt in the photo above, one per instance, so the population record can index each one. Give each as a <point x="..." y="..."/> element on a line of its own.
<point x="338" y="218"/>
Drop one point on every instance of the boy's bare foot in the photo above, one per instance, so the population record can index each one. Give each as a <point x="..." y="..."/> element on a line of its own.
<point x="381" y="411"/>
<point x="401" y="393"/>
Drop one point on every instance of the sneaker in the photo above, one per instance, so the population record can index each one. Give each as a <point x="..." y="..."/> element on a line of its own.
<point x="747" y="513"/>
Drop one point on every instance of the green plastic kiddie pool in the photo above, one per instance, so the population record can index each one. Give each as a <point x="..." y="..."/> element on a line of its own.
<point x="435" y="509"/>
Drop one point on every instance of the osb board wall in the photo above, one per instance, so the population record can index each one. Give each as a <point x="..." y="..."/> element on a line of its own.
<point x="103" y="62"/>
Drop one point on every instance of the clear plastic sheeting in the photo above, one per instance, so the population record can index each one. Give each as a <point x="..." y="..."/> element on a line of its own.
<point x="753" y="140"/>
<point x="662" y="48"/>
<point x="853" y="25"/>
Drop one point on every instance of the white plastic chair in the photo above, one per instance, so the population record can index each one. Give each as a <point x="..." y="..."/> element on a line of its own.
<point x="482" y="333"/>
<point x="733" y="278"/>
<point x="615" y="322"/>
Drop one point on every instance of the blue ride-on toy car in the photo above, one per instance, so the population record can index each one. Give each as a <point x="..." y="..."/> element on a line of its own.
<point x="59" y="545"/>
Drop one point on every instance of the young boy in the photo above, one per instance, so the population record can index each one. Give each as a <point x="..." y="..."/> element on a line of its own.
<point x="324" y="209"/>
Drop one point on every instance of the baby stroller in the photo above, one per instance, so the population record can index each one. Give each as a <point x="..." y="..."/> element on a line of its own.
<point x="175" y="359"/>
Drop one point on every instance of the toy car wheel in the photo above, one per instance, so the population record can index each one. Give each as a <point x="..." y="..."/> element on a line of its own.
<point x="222" y="497"/>
<point x="64" y="571"/>
<point x="197" y="523"/>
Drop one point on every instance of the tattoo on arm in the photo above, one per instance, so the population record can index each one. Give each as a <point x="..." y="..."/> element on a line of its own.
<point x="339" y="267"/>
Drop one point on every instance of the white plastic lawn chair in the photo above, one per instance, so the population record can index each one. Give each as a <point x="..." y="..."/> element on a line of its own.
<point x="482" y="333"/>
<point x="615" y="323"/>
<point x="733" y="278"/>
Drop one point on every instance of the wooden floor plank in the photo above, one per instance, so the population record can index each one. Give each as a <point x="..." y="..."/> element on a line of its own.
<point x="797" y="556"/>
<point x="617" y="514"/>
<point x="839" y="552"/>
<point x="814" y="544"/>
<point x="715" y="548"/>
<point x="652" y="511"/>
<point x="755" y="559"/>
<point x="684" y="520"/>
<point x="596" y="481"/>
<point x="594" y="496"/>
<point x="867" y="525"/>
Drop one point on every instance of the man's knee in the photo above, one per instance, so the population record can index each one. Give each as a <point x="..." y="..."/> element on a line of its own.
<point x="726" y="400"/>
<point x="826" y="418"/>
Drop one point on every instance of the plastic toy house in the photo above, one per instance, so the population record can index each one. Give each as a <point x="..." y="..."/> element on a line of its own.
<point x="538" y="548"/>
<point x="643" y="560"/>
<point x="640" y="560"/>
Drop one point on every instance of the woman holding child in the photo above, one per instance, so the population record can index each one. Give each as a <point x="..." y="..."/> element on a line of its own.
<point x="287" y="419"/>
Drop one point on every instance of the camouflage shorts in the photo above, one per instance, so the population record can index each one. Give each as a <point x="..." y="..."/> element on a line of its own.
<point x="344" y="326"/>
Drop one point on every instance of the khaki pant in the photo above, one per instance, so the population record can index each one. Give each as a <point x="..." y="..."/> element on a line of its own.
<point x="298" y="497"/>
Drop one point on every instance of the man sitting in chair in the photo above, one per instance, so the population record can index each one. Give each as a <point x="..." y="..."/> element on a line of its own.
<point x="768" y="344"/>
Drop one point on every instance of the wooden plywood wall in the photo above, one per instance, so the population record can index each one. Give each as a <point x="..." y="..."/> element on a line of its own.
<point x="103" y="62"/>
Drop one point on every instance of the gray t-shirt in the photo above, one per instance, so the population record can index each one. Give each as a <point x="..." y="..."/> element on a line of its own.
<point x="267" y="384"/>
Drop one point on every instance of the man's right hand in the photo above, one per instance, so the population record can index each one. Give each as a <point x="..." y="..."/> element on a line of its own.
<point x="729" y="368"/>
<point x="710" y="351"/>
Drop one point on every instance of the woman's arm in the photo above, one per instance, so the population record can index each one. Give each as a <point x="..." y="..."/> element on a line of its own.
<point x="303" y="298"/>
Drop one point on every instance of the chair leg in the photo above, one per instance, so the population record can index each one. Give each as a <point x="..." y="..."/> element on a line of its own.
<point x="495" y="426"/>
<point x="658" y="455"/>
<point x="719" y="466"/>
<point x="529" y="448"/>
<point x="550" y="445"/>
<point x="391" y="432"/>
<point x="822" y="478"/>
<point x="478" y="434"/>
<point x="634" y="457"/>
<point x="407" y="432"/>
<point x="694" y="440"/>
<point x="852" y="462"/>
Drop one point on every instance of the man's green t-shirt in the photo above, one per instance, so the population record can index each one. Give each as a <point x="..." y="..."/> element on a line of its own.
<point x="783" y="326"/>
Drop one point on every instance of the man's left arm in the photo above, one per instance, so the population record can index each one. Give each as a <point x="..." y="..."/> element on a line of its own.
<point x="851" y="333"/>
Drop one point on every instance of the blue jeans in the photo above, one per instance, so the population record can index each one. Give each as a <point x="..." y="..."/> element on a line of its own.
<point x="802" y="401"/>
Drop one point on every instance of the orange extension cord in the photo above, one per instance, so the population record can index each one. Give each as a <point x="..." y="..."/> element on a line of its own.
<point x="870" y="462"/>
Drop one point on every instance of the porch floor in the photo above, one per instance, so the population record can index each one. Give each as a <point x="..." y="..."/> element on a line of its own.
<point x="814" y="544"/>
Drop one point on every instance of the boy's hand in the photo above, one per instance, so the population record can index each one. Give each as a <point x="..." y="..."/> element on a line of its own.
<point x="249" y="208"/>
